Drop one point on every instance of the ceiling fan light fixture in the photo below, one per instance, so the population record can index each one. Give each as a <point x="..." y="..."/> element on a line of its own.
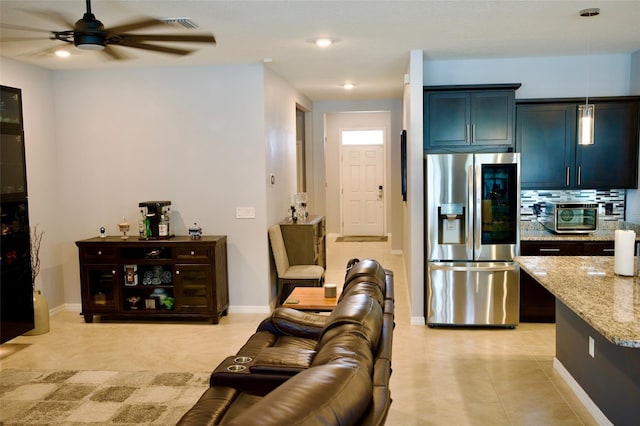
<point x="89" y="33"/>
<point x="62" y="53"/>
<point x="323" y="42"/>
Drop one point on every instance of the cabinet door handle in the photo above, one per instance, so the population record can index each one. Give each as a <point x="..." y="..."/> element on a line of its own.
<point x="193" y="253"/>
<point x="608" y="250"/>
<point x="579" y="175"/>
<point x="566" y="176"/>
<point x="473" y="133"/>
<point x="113" y="272"/>
<point x="99" y="252"/>
<point x="466" y="137"/>
<point x="549" y="250"/>
<point x="177" y="272"/>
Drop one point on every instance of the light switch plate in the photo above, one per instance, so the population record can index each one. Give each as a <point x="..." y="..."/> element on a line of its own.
<point x="245" y="212"/>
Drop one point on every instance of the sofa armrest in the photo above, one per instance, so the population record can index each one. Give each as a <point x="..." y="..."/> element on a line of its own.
<point x="282" y="360"/>
<point x="291" y="322"/>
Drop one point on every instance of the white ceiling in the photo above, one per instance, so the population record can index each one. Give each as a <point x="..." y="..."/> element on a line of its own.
<point x="375" y="37"/>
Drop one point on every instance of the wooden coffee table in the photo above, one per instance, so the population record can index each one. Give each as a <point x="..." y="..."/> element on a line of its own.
<point x="310" y="299"/>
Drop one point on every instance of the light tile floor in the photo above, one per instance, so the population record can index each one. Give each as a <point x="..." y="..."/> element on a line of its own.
<point x="440" y="376"/>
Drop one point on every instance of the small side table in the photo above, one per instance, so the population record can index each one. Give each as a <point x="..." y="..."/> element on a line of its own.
<point x="310" y="299"/>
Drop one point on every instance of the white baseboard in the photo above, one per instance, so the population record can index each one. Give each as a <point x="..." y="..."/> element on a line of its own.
<point x="249" y="309"/>
<point x="417" y="321"/>
<point x="591" y="407"/>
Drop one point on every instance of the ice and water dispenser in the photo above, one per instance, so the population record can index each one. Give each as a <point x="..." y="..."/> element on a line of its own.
<point x="451" y="223"/>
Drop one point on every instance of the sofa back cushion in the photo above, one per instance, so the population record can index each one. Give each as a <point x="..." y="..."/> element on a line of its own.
<point x="357" y="314"/>
<point x="366" y="268"/>
<point x="331" y="394"/>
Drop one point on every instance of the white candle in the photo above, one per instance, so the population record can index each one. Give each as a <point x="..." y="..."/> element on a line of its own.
<point x="624" y="245"/>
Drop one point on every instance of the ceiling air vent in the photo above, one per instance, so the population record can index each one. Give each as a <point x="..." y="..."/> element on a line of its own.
<point x="185" y="22"/>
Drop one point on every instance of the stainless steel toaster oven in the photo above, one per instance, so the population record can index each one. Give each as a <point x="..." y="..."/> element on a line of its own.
<point x="570" y="217"/>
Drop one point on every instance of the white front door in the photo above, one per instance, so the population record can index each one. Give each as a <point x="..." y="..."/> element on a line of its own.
<point x="362" y="190"/>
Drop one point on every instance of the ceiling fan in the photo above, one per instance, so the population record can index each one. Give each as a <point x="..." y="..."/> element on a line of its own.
<point x="89" y="33"/>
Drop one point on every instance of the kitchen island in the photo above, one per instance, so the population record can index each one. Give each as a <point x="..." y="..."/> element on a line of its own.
<point x="597" y="331"/>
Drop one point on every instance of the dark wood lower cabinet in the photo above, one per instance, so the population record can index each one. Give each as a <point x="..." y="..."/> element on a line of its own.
<point x="177" y="278"/>
<point x="537" y="304"/>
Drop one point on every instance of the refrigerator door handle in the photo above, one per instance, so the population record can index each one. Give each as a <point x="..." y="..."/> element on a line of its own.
<point x="478" y="215"/>
<point x="470" y="210"/>
<point x="473" y="268"/>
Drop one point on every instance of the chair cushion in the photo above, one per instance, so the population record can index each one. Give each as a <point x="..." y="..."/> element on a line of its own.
<point x="303" y="272"/>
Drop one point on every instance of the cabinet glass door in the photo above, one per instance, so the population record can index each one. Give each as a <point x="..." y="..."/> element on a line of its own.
<point x="102" y="284"/>
<point x="14" y="180"/>
<point x="193" y="287"/>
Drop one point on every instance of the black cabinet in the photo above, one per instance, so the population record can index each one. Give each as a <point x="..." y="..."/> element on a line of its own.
<point x="545" y="138"/>
<point x="552" y="159"/>
<point x="469" y="119"/>
<point x="16" y="290"/>
<point x="612" y="161"/>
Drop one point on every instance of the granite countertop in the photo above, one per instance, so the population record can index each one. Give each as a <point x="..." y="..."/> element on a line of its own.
<point x="588" y="286"/>
<point x="534" y="231"/>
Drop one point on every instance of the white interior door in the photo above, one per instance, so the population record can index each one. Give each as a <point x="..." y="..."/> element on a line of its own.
<point x="362" y="190"/>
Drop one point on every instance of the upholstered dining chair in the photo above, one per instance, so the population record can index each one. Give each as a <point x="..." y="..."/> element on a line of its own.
<point x="290" y="276"/>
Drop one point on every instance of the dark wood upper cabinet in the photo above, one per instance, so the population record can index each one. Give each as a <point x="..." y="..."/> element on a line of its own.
<point x="545" y="137"/>
<point x="612" y="161"/>
<point x="552" y="159"/>
<point x="469" y="119"/>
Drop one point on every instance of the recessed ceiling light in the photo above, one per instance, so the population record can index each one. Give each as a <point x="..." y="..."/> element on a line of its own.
<point x="348" y="85"/>
<point x="323" y="41"/>
<point x="62" y="53"/>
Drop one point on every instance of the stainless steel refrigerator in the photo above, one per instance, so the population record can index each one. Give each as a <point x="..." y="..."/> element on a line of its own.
<point x="472" y="223"/>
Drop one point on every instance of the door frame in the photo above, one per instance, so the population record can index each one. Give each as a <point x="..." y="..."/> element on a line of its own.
<point x="385" y="188"/>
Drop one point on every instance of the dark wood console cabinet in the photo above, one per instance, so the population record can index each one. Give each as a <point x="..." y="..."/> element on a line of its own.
<point x="177" y="278"/>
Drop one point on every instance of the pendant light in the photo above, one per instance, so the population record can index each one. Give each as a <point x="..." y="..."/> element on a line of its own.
<point x="586" y="112"/>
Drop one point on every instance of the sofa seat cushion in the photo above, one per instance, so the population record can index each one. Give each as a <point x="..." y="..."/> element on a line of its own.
<point x="332" y="394"/>
<point x="302" y="272"/>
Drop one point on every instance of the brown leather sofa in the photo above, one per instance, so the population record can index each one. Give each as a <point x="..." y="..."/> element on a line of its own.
<point x="302" y="368"/>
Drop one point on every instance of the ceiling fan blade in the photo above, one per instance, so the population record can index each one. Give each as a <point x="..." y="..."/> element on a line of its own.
<point x="135" y="25"/>
<point x="51" y="16"/>
<point x="12" y="39"/>
<point x="23" y="28"/>
<point x="194" y="38"/>
<point x="154" y="47"/>
<point x="111" y="53"/>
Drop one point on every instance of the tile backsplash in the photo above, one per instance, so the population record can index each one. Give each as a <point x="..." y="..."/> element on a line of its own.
<point x="610" y="201"/>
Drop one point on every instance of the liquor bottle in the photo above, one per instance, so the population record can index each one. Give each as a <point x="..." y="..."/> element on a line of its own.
<point x="163" y="227"/>
<point x="141" y="225"/>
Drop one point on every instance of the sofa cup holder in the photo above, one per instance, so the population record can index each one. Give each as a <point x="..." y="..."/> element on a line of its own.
<point x="242" y="359"/>
<point x="236" y="368"/>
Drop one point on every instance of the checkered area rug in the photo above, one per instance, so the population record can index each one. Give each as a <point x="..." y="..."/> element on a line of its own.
<point x="68" y="397"/>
